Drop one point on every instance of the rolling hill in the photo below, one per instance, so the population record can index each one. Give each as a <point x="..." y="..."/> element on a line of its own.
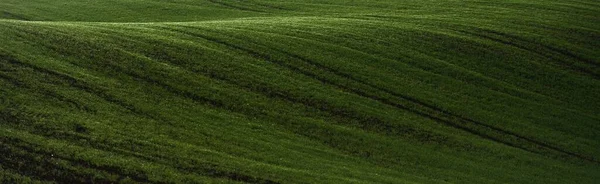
<point x="299" y="91"/>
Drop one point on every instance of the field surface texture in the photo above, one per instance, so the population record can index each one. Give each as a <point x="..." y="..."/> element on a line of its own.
<point x="299" y="91"/>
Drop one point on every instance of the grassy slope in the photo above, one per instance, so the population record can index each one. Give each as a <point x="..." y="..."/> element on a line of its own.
<point x="300" y="91"/>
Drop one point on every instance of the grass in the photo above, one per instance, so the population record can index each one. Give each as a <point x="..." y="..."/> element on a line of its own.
<point x="299" y="91"/>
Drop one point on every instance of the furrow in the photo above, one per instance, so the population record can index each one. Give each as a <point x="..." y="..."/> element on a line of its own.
<point x="441" y="115"/>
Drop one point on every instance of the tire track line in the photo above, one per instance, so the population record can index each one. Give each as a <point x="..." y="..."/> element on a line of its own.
<point x="415" y="106"/>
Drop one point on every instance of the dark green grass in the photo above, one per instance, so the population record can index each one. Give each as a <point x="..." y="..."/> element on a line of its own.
<point x="300" y="91"/>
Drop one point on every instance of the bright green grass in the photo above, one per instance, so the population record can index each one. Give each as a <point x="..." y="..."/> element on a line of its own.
<point x="300" y="91"/>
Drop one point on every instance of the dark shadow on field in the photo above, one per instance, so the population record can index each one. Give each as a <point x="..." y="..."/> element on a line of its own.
<point x="9" y="15"/>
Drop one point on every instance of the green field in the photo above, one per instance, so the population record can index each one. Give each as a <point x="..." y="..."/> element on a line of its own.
<point x="299" y="91"/>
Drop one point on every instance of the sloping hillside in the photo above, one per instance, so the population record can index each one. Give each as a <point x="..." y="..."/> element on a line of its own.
<point x="350" y="91"/>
